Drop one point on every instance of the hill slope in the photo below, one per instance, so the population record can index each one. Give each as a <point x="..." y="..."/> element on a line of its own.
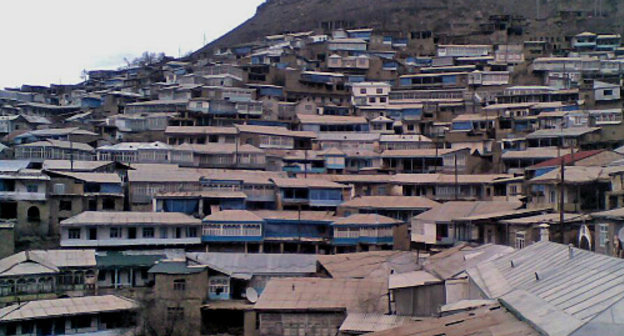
<point x="449" y="18"/>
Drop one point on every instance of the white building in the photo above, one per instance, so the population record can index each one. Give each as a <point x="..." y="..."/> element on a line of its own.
<point x="370" y="93"/>
<point x="125" y="229"/>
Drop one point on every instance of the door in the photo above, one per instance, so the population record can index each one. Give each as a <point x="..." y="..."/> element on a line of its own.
<point x="92" y="233"/>
<point x="132" y="233"/>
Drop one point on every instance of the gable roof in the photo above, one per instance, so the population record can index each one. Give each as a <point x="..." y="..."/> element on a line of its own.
<point x="567" y="159"/>
<point x="318" y="294"/>
<point x="372" y="264"/>
<point x="366" y="219"/>
<point x="130" y="218"/>
<point x="45" y="261"/>
<point x="106" y="178"/>
<point x="233" y="216"/>
<point x="65" y="307"/>
<point x="246" y="265"/>
<point x="449" y="211"/>
<point x="73" y="145"/>
<point x="557" y="288"/>
<point x="492" y="320"/>
<point x="454" y="261"/>
<point x="390" y="202"/>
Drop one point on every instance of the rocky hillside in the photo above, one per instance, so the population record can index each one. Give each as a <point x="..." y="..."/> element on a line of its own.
<point x="456" y="20"/>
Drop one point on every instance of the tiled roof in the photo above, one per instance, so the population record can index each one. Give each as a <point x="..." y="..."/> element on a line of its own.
<point x="567" y="159"/>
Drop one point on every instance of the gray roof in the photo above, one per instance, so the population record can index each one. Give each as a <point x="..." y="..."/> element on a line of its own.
<point x="13" y="166"/>
<point x="566" y="132"/>
<point x="175" y="267"/>
<point x="454" y="261"/>
<point x="242" y="265"/>
<point x="65" y="307"/>
<point x="130" y="218"/>
<point x="555" y="287"/>
<point x="369" y="322"/>
<point x="411" y="279"/>
<point x="341" y="136"/>
<point x="45" y="261"/>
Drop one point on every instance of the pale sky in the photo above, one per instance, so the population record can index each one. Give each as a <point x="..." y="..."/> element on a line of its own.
<point x="52" y="41"/>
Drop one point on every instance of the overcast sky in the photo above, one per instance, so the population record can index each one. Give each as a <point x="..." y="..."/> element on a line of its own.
<point x="47" y="41"/>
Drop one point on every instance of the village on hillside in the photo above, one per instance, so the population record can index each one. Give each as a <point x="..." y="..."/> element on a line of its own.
<point x="339" y="181"/>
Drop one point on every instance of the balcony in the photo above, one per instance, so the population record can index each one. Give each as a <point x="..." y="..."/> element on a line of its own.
<point x="22" y="196"/>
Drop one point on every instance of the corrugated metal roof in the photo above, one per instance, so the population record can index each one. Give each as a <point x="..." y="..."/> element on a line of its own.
<point x="13" y="166"/>
<point x="84" y="166"/>
<point x="390" y="202"/>
<point x="175" y="267"/>
<point x="364" y="323"/>
<point x="233" y="216"/>
<point x="130" y="218"/>
<point x="306" y="183"/>
<point x="324" y="216"/>
<point x="488" y="321"/>
<point x="456" y="260"/>
<point x="565" y="283"/>
<point x="45" y="261"/>
<point x="246" y="265"/>
<point x="566" y="132"/>
<point x="318" y="294"/>
<point x="373" y="264"/>
<point x="59" y="144"/>
<point x="108" y="178"/>
<point x="366" y="219"/>
<point x="453" y="210"/>
<point x="65" y="307"/>
<point x="411" y="279"/>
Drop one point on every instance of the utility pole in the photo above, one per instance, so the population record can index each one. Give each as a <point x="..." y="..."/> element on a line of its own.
<point x="71" y="152"/>
<point x="305" y="163"/>
<point x="561" y="196"/>
<point x="456" y="179"/>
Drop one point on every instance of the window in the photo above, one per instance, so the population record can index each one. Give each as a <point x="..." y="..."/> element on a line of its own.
<point x="27" y="327"/>
<point x="178" y="233"/>
<point x="603" y="234"/>
<point x="442" y="231"/>
<point x="148" y="232"/>
<point x="108" y="204"/>
<point x="608" y="92"/>
<point x="102" y="276"/>
<point x="33" y="214"/>
<point x="59" y="188"/>
<point x="520" y="243"/>
<point x="73" y="234"/>
<point x="81" y="322"/>
<point x="132" y="233"/>
<point x="115" y="232"/>
<point x="191" y="232"/>
<point x="65" y="205"/>
<point x="218" y="285"/>
<point x="32" y="188"/>
<point x="363" y="91"/>
<point x="553" y="197"/>
<point x="163" y="232"/>
<point x="382" y="99"/>
<point x="92" y="205"/>
<point x="379" y="90"/>
<point x="372" y="99"/>
<point x="179" y="284"/>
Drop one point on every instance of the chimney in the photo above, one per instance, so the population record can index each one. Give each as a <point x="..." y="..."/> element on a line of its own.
<point x="570" y="251"/>
<point x="544" y="232"/>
